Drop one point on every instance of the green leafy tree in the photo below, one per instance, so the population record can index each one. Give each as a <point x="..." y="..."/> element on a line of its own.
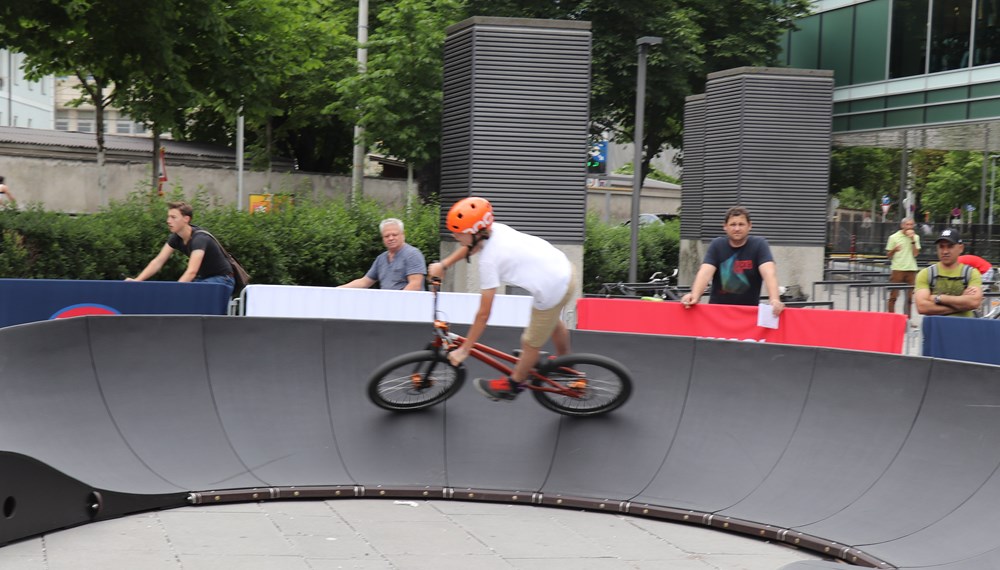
<point x="860" y="176"/>
<point x="922" y="163"/>
<point x="105" y="44"/>
<point x="274" y="66"/>
<point x="400" y="72"/>
<point x="398" y="97"/>
<point x="955" y="183"/>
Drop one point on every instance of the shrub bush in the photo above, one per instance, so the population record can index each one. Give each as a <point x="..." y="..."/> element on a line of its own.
<point x="606" y="251"/>
<point x="320" y="243"/>
<point x="308" y="243"/>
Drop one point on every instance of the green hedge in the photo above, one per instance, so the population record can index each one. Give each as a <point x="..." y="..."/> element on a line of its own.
<point x="326" y="243"/>
<point x="309" y="243"/>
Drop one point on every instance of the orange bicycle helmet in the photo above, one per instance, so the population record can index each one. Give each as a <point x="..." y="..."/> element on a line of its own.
<point x="470" y="216"/>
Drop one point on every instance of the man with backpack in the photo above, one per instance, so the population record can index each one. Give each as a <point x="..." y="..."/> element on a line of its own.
<point x="948" y="287"/>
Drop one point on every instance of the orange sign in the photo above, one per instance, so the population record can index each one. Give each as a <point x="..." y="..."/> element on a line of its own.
<point x="263" y="203"/>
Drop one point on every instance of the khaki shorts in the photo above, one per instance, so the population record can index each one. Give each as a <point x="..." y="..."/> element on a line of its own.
<point x="543" y="322"/>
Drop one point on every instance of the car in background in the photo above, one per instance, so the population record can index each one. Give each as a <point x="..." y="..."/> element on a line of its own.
<point x="647" y="219"/>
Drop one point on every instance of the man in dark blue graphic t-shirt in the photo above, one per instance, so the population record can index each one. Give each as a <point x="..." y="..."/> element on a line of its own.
<point x="736" y="265"/>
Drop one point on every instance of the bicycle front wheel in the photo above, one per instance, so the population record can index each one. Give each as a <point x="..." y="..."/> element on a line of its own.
<point x="587" y="385"/>
<point x="414" y="381"/>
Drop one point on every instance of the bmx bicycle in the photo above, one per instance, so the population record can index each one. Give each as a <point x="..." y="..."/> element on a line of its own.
<point x="573" y="384"/>
<point x="659" y="287"/>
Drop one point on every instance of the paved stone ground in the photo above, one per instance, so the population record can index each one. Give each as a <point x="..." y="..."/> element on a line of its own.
<point x="372" y="534"/>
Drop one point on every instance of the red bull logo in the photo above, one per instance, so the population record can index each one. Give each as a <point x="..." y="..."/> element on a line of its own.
<point x="84" y="309"/>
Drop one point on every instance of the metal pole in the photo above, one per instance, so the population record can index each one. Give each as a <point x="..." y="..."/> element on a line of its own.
<point x="982" y="191"/>
<point x="993" y="190"/>
<point x="904" y="176"/>
<point x="239" y="158"/>
<point x="10" y="88"/>
<point x="358" y="170"/>
<point x="640" y="111"/>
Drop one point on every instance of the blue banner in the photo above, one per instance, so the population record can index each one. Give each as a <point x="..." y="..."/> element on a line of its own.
<point x="960" y="338"/>
<point x="29" y="300"/>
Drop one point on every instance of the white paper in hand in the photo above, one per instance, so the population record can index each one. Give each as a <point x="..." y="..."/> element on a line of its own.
<point x="765" y="316"/>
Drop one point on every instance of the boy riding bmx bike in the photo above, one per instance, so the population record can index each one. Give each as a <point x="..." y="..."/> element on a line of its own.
<point x="509" y="256"/>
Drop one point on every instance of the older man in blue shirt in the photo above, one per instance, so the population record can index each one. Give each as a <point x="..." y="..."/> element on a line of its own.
<point x="400" y="266"/>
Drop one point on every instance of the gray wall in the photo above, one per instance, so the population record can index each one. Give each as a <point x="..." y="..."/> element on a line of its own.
<point x="71" y="185"/>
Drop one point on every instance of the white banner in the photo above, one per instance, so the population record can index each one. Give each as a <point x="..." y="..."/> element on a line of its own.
<point x="379" y="305"/>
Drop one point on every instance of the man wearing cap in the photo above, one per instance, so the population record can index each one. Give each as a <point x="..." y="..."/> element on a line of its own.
<point x="955" y="291"/>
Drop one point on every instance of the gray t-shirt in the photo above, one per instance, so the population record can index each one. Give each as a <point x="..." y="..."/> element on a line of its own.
<point x="393" y="275"/>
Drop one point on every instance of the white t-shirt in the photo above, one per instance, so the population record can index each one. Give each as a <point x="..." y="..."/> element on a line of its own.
<point x="526" y="261"/>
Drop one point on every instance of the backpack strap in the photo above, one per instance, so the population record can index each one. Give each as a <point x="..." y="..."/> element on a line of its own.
<point x="215" y="239"/>
<point x="932" y="275"/>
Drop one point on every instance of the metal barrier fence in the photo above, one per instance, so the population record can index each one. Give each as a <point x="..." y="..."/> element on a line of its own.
<point x="869" y="238"/>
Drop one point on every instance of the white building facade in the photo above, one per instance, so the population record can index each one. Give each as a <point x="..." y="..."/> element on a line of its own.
<point x="24" y="103"/>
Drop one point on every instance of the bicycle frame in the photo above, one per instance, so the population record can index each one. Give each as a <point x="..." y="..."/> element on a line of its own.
<point x="498" y="359"/>
<point x="448" y="341"/>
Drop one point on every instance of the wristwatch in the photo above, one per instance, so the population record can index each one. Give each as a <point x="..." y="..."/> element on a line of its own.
<point x="937" y="299"/>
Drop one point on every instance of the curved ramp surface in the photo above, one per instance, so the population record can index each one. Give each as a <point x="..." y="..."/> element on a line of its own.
<point x="879" y="460"/>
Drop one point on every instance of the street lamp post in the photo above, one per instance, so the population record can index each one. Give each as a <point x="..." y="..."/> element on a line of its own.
<point x="640" y="110"/>
<point x="993" y="190"/>
<point x="240" y="125"/>
<point x="360" y="150"/>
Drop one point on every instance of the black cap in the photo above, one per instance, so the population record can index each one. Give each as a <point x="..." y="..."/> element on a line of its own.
<point x="950" y="235"/>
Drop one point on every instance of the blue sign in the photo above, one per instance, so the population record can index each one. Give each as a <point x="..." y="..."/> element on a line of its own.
<point x="42" y="299"/>
<point x="597" y="157"/>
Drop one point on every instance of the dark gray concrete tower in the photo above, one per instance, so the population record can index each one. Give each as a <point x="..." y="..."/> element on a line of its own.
<point x="760" y="138"/>
<point x="515" y="125"/>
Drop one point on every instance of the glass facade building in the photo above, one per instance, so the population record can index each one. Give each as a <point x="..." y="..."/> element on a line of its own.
<point x="903" y="63"/>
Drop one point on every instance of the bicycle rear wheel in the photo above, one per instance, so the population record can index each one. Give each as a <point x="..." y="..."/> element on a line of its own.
<point x="594" y="385"/>
<point x="414" y="381"/>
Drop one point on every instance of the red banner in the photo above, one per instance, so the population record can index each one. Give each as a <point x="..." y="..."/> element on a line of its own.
<point x="855" y="330"/>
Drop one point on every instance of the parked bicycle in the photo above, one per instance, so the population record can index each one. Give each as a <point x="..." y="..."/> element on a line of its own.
<point x="573" y="384"/>
<point x="659" y="286"/>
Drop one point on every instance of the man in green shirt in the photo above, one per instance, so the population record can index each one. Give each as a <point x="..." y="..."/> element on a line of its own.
<point x="902" y="249"/>
<point x="949" y="287"/>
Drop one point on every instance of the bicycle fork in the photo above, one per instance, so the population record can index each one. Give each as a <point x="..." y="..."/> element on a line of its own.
<point x="422" y="376"/>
